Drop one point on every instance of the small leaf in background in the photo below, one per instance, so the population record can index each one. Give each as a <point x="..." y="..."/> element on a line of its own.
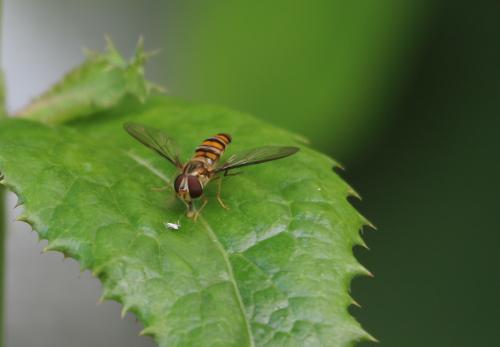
<point x="99" y="83"/>
<point x="274" y="270"/>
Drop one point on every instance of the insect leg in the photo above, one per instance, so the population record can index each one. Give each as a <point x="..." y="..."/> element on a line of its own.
<point x="190" y="213"/>
<point x="219" y="187"/>
<point x="205" y="201"/>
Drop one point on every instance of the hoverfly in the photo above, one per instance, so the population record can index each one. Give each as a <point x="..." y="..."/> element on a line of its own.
<point x="205" y="165"/>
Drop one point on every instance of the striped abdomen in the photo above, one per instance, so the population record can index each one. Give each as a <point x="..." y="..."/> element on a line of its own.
<point x="214" y="147"/>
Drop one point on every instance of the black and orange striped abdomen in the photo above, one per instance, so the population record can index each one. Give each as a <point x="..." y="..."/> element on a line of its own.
<point x="214" y="147"/>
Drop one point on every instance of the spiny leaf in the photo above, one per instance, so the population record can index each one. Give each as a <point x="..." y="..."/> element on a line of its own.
<point x="99" y="83"/>
<point x="274" y="270"/>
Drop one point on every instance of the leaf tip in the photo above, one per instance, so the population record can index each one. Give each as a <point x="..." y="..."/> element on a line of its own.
<point x="19" y="202"/>
<point x="22" y="218"/>
<point x="355" y="303"/>
<point x="140" y="44"/>
<point x="141" y="55"/>
<point x="48" y="248"/>
<point x="107" y="295"/>
<point x="360" y="270"/>
<point x="149" y="331"/>
<point x="369" y="224"/>
<point x="339" y="166"/>
<point x="371" y="338"/>
<point x="367" y="272"/>
<point x="363" y="244"/>
<point x="110" y="46"/>
<point x="351" y="192"/>
<point x="124" y="311"/>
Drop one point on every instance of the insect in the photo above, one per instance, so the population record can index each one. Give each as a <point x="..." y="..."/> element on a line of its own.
<point x="173" y="226"/>
<point x="205" y="166"/>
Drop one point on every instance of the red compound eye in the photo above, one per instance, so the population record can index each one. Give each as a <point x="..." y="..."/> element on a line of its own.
<point x="195" y="188"/>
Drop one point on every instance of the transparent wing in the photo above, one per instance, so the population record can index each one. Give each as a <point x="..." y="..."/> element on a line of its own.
<point x="256" y="156"/>
<point x="156" y="140"/>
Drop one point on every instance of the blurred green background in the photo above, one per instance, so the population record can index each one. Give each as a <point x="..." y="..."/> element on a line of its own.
<point x="322" y="68"/>
<point x="403" y="93"/>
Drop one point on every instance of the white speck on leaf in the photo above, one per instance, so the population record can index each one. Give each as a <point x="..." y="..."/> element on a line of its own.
<point x="173" y="226"/>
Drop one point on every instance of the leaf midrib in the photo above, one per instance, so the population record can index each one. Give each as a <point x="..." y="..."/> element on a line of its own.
<point x="213" y="237"/>
<point x="229" y="268"/>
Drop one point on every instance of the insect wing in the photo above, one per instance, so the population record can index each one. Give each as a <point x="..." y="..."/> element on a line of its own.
<point x="156" y="140"/>
<point x="256" y="156"/>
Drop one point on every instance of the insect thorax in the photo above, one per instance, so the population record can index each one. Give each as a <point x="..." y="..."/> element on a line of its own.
<point x="198" y="166"/>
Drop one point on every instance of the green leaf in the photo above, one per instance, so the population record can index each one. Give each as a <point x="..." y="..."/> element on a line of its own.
<point x="99" y="83"/>
<point x="274" y="270"/>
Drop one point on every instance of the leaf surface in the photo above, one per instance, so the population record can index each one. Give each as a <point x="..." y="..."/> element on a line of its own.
<point x="100" y="82"/>
<point x="274" y="270"/>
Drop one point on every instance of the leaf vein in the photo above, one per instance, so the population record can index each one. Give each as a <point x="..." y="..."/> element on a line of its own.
<point x="211" y="234"/>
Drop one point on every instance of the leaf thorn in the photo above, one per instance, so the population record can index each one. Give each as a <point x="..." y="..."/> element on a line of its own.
<point x="101" y="300"/>
<point x="355" y="303"/>
<point x="124" y="311"/>
<point x="149" y="331"/>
